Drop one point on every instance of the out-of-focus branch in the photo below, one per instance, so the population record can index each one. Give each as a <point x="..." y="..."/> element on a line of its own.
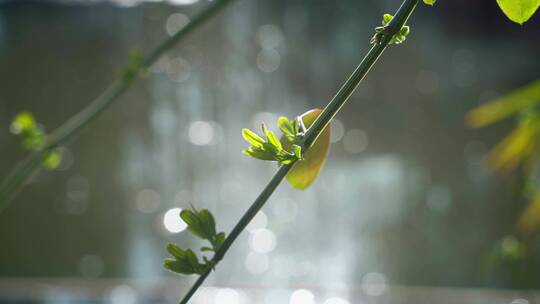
<point x="17" y="178"/>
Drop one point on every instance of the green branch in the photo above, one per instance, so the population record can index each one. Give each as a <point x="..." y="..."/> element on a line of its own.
<point x="385" y="37"/>
<point x="17" y="178"/>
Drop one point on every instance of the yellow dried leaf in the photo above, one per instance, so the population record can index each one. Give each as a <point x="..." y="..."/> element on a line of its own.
<point x="305" y="171"/>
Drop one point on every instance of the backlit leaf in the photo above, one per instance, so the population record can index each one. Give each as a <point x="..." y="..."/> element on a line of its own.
<point x="179" y="266"/>
<point x="387" y="18"/>
<point x="209" y="224"/>
<point x="272" y="139"/>
<point x="254" y="139"/>
<point x="184" y="261"/>
<point x="519" y="11"/>
<point x="176" y="251"/>
<point x="259" y="154"/>
<point x="305" y="171"/>
<point x="286" y="126"/>
<point x="195" y="225"/>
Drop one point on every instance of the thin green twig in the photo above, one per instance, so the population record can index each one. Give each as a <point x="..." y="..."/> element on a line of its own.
<point x="313" y="132"/>
<point x="18" y="177"/>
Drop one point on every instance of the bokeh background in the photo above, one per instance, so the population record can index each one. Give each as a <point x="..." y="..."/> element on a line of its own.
<point x="405" y="199"/>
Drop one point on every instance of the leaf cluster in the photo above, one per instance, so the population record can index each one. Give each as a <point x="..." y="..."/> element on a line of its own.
<point x="33" y="138"/>
<point x="203" y="225"/>
<point x="272" y="149"/>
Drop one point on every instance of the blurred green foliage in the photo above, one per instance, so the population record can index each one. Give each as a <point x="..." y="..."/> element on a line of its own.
<point x="518" y="151"/>
<point x="34" y="138"/>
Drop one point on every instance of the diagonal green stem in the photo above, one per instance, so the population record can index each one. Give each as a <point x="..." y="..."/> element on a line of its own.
<point x="361" y="71"/>
<point x="17" y="178"/>
<point x="313" y="132"/>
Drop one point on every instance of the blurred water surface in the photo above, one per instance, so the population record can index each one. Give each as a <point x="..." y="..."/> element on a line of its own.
<point x="404" y="198"/>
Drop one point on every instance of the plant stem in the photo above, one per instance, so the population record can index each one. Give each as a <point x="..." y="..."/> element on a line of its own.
<point x="313" y="132"/>
<point x="17" y="178"/>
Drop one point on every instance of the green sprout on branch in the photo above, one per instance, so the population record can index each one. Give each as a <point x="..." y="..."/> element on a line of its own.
<point x="291" y="148"/>
<point x="383" y="31"/>
<point x="185" y="261"/>
<point x="135" y="67"/>
<point x="272" y="149"/>
<point x="34" y="138"/>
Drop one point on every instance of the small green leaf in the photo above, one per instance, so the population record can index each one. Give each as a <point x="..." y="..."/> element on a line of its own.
<point x="179" y="266"/>
<point x="176" y="251"/>
<point x="272" y="139"/>
<point x="259" y="154"/>
<point x="208" y="223"/>
<point x="200" y="223"/>
<point x="192" y="259"/>
<point x="430" y="2"/>
<point x="254" y="139"/>
<point x="206" y="249"/>
<point x="183" y="266"/>
<point x="194" y="223"/>
<point x="519" y="11"/>
<point x="189" y="217"/>
<point x="387" y="18"/>
<point x="184" y="262"/>
<point x="297" y="151"/>
<point x="218" y="241"/>
<point x="286" y="126"/>
<point x="272" y="149"/>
